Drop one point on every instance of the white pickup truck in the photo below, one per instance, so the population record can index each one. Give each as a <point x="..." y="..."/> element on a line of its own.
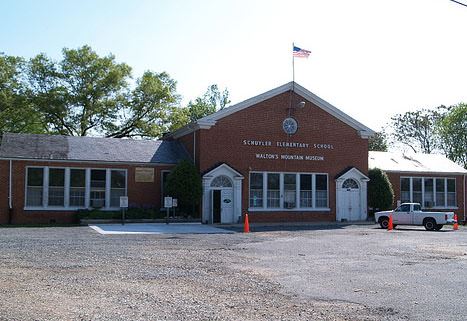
<point x="412" y="214"/>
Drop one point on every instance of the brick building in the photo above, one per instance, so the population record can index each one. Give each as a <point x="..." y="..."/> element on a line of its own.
<point x="432" y="180"/>
<point x="280" y="156"/>
<point x="284" y="155"/>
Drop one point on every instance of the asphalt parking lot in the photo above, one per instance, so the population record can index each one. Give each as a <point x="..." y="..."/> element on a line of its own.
<point x="315" y="273"/>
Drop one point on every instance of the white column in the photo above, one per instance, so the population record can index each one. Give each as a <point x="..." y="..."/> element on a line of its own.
<point x="411" y="189"/>
<point x="338" y="199"/>
<point x="45" y="188"/>
<point x="281" y="187"/>
<point x="87" y="190"/>
<point x="313" y="190"/>
<point x="66" y="202"/>
<point x="297" y="190"/>
<point x="107" y="188"/>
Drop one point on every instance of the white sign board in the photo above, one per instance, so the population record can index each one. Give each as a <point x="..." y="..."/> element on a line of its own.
<point x="123" y="201"/>
<point x="168" y="201"/>
<point x="174" y="202"/>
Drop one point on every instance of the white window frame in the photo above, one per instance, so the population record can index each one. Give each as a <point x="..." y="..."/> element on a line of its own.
<point x="66" y="207"/>
<point x="434" y="178"/>
<point x="281" y="207"/>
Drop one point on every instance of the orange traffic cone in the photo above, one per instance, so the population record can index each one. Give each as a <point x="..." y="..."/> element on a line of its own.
<point x="246" y="225"/>
<point x="390" y="227"/>
<point x="456" y="225"/>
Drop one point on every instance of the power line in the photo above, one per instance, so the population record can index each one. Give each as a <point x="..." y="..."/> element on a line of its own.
<point x="462" y="4"/>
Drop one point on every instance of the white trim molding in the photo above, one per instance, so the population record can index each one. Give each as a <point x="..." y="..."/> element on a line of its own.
<point x="210" y="120"/>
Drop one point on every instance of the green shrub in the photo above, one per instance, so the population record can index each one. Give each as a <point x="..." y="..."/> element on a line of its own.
<point x="184" y="184"/>
<point x="380" y="192"/>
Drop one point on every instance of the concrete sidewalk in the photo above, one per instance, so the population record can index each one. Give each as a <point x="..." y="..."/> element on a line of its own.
<point x="158" y="228"/>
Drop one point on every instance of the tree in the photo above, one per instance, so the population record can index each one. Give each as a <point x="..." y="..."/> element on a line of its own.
<point x="85" y="94"/>
<point x="452" y="129"/>
<point x="184" y="184"/>
<point x="179" y="117"/>
<point x="378" y="142"/>
<point x="210" y="102"/>
<point x="16" y="112"/>
<point x="380" y="192"/>
<point x="416" y="129"/>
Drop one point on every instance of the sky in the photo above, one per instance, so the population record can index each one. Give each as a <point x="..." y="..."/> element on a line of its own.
<point x="370" y="58"/>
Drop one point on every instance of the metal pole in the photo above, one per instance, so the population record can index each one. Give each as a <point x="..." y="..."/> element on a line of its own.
<point x="293" y="65"/>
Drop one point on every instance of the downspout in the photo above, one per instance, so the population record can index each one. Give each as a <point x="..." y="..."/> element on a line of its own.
<point x="10" y="201"/>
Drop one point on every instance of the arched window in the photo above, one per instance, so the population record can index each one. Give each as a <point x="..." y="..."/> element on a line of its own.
<point x="350" y="183"/>
<point x="221" y="181"/>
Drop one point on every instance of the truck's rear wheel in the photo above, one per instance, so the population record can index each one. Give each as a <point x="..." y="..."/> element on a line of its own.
<point x="384" y="222"/>
<point x="430" y="224"/>
<point x="438" y="227"/>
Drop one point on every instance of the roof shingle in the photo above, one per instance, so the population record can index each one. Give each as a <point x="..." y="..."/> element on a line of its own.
<point x="56" y="147"/>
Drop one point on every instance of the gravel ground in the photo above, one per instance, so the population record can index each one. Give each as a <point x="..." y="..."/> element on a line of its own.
<point x="75" y="273"/>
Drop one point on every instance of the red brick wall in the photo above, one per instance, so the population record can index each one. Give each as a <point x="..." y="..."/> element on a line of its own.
<point x="395" y="181"/>
<point x="187" y="142"/>
<point x="139" y="194"/>
<point x="224" y="143"/>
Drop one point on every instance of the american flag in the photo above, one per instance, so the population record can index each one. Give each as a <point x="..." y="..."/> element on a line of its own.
<point x="302" y="53"/>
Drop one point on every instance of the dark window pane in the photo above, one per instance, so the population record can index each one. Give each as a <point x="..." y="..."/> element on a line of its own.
<point x="429" y="195"/>
<point x="405" y="190"/>
<point x="321" y="182"/>
<point x="165" y="176"/>
<point x="256" y="190"/>
<point x="117" y="179"/>
<point x="273" y="193"/>
<point x="56" y="177"/>
<point x="35" y="176"/>
<point x="273" y="181"/>
<point x="451" y="185"/>
<point x="256" y="180"/>
<point x="305" y="182"/>
<point x="97" y="178"/>
<point x="321" y="191"/>
<point x="290" y="190"/>
<point x="77" y="177"/>
<point x="405" y="184"/>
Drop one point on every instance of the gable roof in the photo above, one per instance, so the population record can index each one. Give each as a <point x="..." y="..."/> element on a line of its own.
<point x="210" y="120"/>
<point x="351" y="172"/>
<point x="97" y="149"/>
<point x="413" y="163"/>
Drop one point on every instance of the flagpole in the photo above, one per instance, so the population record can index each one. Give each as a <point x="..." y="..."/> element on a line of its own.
<point x="293" y="68"/>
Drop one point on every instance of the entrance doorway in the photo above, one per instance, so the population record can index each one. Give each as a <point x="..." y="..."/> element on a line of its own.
<point x="351" y="188"/>
<point x="222" y="195"/>
<point x="222" y="200"/>
<point x="216" y="206"/>
<point x="350" y="200"/>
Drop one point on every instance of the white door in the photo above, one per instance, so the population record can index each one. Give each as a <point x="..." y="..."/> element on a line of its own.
<point x="227" y="206"/>
<point x="353" y="201"/>
<point x="349" y="195"/>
